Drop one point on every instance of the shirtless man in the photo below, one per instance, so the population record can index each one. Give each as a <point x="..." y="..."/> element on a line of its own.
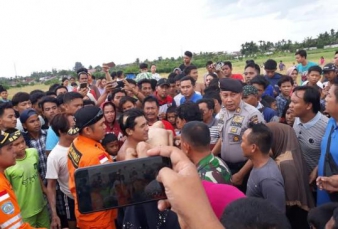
<point x="134" y="126"/>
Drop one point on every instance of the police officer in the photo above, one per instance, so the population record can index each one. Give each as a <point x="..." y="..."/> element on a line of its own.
<point x="233" y="121"/>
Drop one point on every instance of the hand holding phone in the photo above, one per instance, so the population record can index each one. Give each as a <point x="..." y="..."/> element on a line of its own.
<point x="83" y="85"/>
<point x="119" y="184"/>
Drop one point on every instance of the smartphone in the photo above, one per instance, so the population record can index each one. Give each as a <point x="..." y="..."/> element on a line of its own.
<point x="119" y="184"/>
<point x="110" y="64"/>
<point x="112" y="84"/>
<point x="83" y="85"/>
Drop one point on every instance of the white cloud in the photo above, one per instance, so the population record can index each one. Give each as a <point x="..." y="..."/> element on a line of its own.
<point x="39" y="35"/>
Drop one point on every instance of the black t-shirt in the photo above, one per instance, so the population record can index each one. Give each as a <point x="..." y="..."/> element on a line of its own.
<point x="182" y="66"/>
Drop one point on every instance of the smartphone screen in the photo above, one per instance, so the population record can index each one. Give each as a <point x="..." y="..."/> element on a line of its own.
<point x="119" y="184"/>
<point x="83" y="85"/>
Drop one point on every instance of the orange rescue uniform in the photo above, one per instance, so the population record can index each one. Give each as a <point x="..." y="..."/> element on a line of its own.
<point x="85" y="152"/>
<point x="10" y="216"/>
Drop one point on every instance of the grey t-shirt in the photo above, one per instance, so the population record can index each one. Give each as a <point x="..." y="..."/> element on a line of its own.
<point x="267" y="183"/>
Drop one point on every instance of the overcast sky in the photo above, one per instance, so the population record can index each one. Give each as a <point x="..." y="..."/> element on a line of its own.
<point x="44" y="34"/>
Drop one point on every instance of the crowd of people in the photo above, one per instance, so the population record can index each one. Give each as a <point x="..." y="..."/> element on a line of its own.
<point x="252" y="150"/>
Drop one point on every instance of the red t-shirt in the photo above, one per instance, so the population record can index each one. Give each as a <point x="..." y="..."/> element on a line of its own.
<point x="167" y="125"/>
<point x="237" y="77"/>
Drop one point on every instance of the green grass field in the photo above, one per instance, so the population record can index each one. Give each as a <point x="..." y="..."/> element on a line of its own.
<point x="238" y="66"/>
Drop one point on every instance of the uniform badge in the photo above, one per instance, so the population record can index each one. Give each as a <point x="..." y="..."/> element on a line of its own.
<point x="238" y="119"/>
<point x="4" y="195"/>
<point x="311" y="141"/>
<point x="233" y="130"/>
<point x="7" y="208"/>
<point x="236" y="138"/>
<point x="238" y="110"/>
<point x="254" y="119"/>
<point x="103" y="159"/>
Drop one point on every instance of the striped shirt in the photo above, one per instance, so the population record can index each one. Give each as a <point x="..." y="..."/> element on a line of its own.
<point x="310" y="137"/>
<point x="214" y="133"/>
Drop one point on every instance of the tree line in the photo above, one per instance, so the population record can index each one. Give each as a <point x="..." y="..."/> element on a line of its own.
<point x="165" y="65"/>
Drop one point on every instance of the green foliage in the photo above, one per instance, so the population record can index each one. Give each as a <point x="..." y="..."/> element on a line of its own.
<point x="52" y="81"/>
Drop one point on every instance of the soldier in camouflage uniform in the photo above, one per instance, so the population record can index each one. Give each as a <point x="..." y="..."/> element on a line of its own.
<point x="195" y="142"/>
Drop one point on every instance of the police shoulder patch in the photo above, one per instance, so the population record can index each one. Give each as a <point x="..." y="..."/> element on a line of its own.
<point x="254" y="119"/>
<point x="7" y="208"/>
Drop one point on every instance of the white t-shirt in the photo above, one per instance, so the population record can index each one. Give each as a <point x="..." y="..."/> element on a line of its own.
<point x="57" y="168"/>
<point x="319" y="84"/>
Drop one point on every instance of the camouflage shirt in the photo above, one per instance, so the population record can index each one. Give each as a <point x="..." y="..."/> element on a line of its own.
<point x="213" y="169"/>
<point x="144" y="75"/>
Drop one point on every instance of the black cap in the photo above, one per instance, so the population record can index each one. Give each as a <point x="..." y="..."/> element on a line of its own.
<point x="163" y="81"/>
<point x="228" y="84"/>
<point x="329" y="67"/>
<point x="85" y="116"/>
<point x="188" y="54"/>
<point x="7" y="138"/>
<point x="270" y="64"/>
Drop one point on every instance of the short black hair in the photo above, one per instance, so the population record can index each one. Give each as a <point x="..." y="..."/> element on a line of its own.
<point x="253" y="65"/>
<point x="60" y="123"/>
<point x="319" y="216"/>
<point x="108" y="138"/>
<point x="311" y="95"/>
<point x="285" y="79"/>
<point x="114" y="92"/>
<point x="60" y="98"/>
<point x="253" y="213"/>
<point x="171" y="109"/>
<point x="261" y="136"/>
<point x="81" y="71"/>
<point x="172" y="76"/>
<point x="125" y="99"/>
<point x="35" y="96"/>
<point x="61" y="86"/>
<point x="213" y="95"/>
<point x="153" y="84"/>
<point x="74" y="84"/>
<point x="69" y="96"/>
<point x="4" y="106"/>
<point x="53" y="87"/>
<point x="113" y="75"/>
<point x="188" y="69"/>
<point x="315" y="68"/>
<point x="20" y="97"/>
<point x="209" y="102"/>
<point x="150" y="99"/>
<point x="197" y="135"/>
<point x="188" y="54"/>
<point x="130" y="123"/>
<point x="213" y="75"/>
<point x="302" y="53"/>
<point x="270" y="64"/>
<point x="48" y="99"/>
<point x="260" y="80"/>
<point x="268" y="99"/>
<point x="87" y="102"/>
<point x="179" y="77"/>
<point x="64" y="79"/>
<point x="119" y="73"/>
<point x="228" y="63"/>
<point x="139" y="84"/>
<point x="189" y="111"/>
<point x="49" y="93"/>
<point x="131" y="81"/>
<point x="143" y="65"/>
<point x="186" y="78"/>
<point x="208" y="63"/>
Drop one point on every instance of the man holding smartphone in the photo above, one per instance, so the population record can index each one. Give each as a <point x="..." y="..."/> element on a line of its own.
<point x="85" y="151"/>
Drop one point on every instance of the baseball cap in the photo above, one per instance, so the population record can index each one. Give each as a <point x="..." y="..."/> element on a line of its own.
<point x="228" y="84"/>
<point x="162" y="82"/>
<point x="84" y="117"/>
<point x="221" y="195"/>
<point x="329" y="67"/>
<point x="26" y="114"/>
<point x="249" y="90"/>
